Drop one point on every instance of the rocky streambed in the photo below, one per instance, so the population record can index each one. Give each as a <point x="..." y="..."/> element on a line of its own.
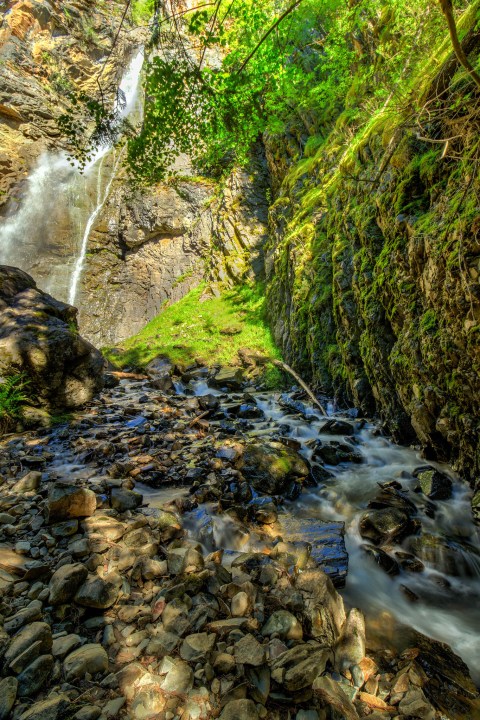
<point x="182" y="556"/>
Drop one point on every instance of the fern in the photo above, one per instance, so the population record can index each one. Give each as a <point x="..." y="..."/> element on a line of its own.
<point x="13" y="396"/>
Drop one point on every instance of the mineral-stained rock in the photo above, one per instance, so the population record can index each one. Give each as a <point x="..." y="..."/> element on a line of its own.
<point x="39" y="337"/>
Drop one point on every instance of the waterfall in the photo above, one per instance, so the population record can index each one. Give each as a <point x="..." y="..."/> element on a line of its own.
<point x="48" y="234"/>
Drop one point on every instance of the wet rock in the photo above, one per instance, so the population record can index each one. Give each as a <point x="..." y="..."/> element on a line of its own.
<point x="99" y="593"/>
<point x="409" y="562"/>
<point x="90" y="658"/>
<point x="69" y="501"/>
<point x="39" y="337"/>
<point x="65" y="582"/>
<point x="385" y="526"/>
<point x="123" y="500"/>
<point x="327" y="543"/>
<point x="391" y="497"/>
<point x="284" y="624"/>
<point x="383" y="560"/>
<point x="337" y="427"/>
<point x="433" y="483"/>
<point x="8" y="694"/>
<point x="239" y="710"/>
<point x="270" y="467"/>
<point x="229" y="377"/>
<point x="160" y="371"/>
<point x="334" y="453"/>
<point x="264" y="510"/>
<point x="35" y="676"/>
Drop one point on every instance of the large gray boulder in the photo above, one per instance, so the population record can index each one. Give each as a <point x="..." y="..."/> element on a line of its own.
<point x="39" y="337"/>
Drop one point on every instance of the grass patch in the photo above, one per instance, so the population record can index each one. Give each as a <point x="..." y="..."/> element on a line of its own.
<point x="210" y="332"/>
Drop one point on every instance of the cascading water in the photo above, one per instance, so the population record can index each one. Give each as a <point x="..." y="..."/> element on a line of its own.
<point x="48" y="234"/>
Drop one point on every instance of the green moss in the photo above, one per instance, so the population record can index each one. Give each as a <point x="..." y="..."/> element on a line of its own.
<point x="210" y="330"/>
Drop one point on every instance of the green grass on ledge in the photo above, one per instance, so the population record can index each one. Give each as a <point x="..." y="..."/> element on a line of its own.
<point x="210" y="332"/>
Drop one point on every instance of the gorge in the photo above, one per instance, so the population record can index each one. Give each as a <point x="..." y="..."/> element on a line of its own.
<point x="196" y="539"/>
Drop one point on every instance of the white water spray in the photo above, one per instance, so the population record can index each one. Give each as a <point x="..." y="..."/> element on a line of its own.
<point x="48" y="234"/>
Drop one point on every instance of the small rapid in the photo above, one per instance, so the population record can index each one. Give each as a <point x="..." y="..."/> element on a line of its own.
<point x="47" y="233"/>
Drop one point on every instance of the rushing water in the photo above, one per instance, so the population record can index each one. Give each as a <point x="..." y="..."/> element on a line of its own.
<point x="47" y="235"/>
<point x="447" y="604"/>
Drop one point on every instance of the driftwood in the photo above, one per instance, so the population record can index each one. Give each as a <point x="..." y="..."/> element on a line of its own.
<point x="123" y="375"/>
<point x="301" y="382"/>
<point x="198" y="418"/>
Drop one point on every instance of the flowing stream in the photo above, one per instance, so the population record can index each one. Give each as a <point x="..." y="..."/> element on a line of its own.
<point x="47" y="234"/>
<point x="442" y="601"/>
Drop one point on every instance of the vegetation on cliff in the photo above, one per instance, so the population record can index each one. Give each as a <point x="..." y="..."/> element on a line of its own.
<point x="207" y="329"/>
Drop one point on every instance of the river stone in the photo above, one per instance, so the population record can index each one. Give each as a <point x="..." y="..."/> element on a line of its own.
<point x="99" y="593"/>
<point x="29" y="614"/>
<point x="68" y="501"/>
<point x="334" y="453"/>
<point x="197" y="647"/>
<point x="337" y="427"/>
<point x="331" y="695"/>
<point x="324" y="608"/>
<point x="240" y="604"/>
<point x="8" y="694"/>
<point x="271" y="467"/>
<point x="433" y="483"/>
<point x="28" y="483"/>
<point x="55" y="708"/>
<point x="148" y="702"/>
<point x="284" y="624"/>
<point x="62" y="646"/>
<point x="383" y="560"/>
<point x="240" y="710"/>
<point x="27" y="638"/>
<point x="90" y="658"/>
<point x="35" y="676"/>
<point x="303" y="673"/>
<point x="178" y="675"/>
<point x="160" y="371"/>
<point x="224" y="663"/>
<point x="229" y="377"/>
<point x="248" y="651"/>
<point x="65" y="582"/>
<point x="64" y="529"/>
<point x="123" y="500"/>
<point x="88" y="712"/>
<point x="414" y="704"/>
<point x="104" y="526"/>
<point x="351" y="646"/>
<point x="385" y="526"/>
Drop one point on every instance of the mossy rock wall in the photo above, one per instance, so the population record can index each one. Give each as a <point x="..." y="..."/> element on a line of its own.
<point x="373" y="277"/>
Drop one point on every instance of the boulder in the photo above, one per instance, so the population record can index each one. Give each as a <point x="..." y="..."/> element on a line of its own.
<point x="324" y="611"/>
<point x="39" y="337"/>
<point x="55" y="708"/>
<point x="35" y="676"/>
<point x="99" y="593"/>
<point x="160" y="371"/>
<point x="271" y="467"/>
<point x="386" y="525"/>
<point x="35" y="638"/>
<point x="90" y="658"/>
<point x="8" y="694"/>
<point x="65" y="582"/>
<point x="123" y="500"/>
<point x="239" y="710"/>
<point x="228" y="377"/>
<point x="433" y="483"/>
<point x="69" y="501"/>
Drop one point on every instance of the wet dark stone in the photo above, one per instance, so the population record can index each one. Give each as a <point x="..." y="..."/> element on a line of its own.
<point x="335" y="453"/>
<point x="383" y="560"/>
<point x="318" y="475"/>
<point x="249" y="411"/>
<point x="433" y="483"/>
<point x="209" y="402"/>
<point x="327" y="543"/>
<point x="337" y="427"/>
<point x="386" y="525"/>
<point x="390" y="497"/>
<point x="409" y="562"/>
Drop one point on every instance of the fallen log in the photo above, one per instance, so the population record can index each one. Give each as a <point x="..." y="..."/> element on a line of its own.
<point x="301" y="382"/>
<point x="127" y="375"/>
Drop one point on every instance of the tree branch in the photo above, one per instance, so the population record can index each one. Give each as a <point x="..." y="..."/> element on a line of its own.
<point x="447" y="9"/>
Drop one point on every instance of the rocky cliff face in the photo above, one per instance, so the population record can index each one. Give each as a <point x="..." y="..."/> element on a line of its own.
<point x="48" y="48"/>
<point x="373" y="272"/>
<point x="151" y="246"/>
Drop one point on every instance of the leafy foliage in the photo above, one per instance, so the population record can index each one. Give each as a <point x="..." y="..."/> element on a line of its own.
<point x="13" y="394"/>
